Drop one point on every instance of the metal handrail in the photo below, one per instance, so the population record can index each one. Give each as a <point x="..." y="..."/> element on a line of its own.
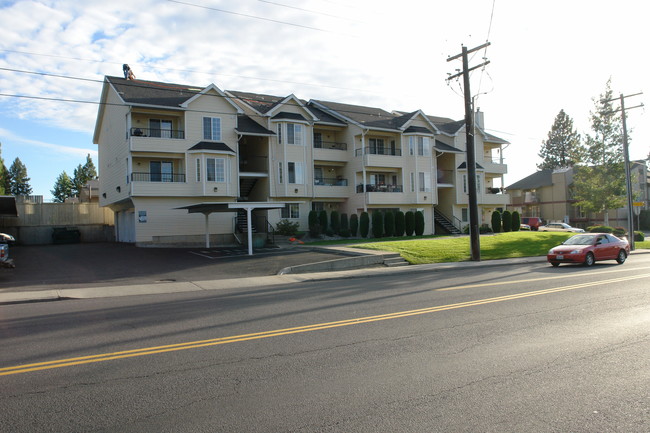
<point x="387" y="151"/>
<point x="330" y="181"/>
<point x="157" y="177"/>
<point x="330" y="145"/>
<point x="157" y="133"/>
<point x="380" y="188"/>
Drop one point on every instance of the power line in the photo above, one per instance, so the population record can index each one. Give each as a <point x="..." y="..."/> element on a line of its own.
<point x="300" y="83"/>
<point x="251" y="16"/>
<point x="308" y="10"/>
<point x="137" y="84"/>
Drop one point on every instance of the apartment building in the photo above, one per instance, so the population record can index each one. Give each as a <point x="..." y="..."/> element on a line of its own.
<point x="167" y="148"/>
<point x="548" y="194"/>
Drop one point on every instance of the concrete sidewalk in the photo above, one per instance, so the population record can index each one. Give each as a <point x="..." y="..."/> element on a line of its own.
<point x="318" y="271"/>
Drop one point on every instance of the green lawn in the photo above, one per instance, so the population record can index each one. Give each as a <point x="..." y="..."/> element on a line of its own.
<point x="457" y="249"/>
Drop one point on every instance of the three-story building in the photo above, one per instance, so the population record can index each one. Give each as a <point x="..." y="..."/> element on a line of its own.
<point x="167" y="147"/>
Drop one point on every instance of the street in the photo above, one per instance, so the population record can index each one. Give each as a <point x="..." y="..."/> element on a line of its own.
<point x="494" y="349"/>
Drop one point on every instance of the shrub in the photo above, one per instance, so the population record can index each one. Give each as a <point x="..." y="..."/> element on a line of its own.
<point x="354" y="225"/>
<point x="485" y="228"/>
<point x="399" y="223"/>
<point x="377" y="224"/>
<point x="639" y="236"/>
<point x="409" y="223"/>
<point x="516" y="221"/>
<point x="314" y="225"/>
<point x="322" y="219"/>
<point x="419" y="223"/>
<point x="364" y="224"/>
<point x="345" y="228"/>
<point x="286" y="228"/>
<point x="619" y="231"/>
<point x="496" y="221"/>
<point x="600" y="229"/>
<point x="329" y="232"/>
<point x="506" y="221"/>
<point x="335" y="222"/>
<point x="389" y="224"/>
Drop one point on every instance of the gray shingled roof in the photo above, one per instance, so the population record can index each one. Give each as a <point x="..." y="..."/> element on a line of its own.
<point x="324" y="117"/>
<point x="442" y="147"/>
<point x="289" y="116"/>
<point x="211" y="145"/>
<point x="535" y="180"/>
<point x="417" y="129"/>
<point x="261" y="103"/>
<point x="246" y="125"/>
<point x="358" y="113"/>
<point x="153" y="93"/>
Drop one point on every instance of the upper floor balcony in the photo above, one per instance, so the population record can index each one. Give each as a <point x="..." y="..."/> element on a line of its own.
<point x="381" y="156"/>
<point x="156" y="140"/>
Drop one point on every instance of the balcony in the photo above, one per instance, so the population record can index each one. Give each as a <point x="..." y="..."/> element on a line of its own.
<point x="494" y="165"/>
<point x="380" y="188"/>
<point x="157" y="177"/>
<point x="378" y="151"/>
<point x="158" y="133"/>
<point x="445" y="178"/>
<point x="335" y="145"/>
<point x="325" y="181"/>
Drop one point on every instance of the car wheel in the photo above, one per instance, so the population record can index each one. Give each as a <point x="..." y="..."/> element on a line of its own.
<point x="590" y="260"/>
<point x="621" y="257"/>
<point x="555" y="264"/>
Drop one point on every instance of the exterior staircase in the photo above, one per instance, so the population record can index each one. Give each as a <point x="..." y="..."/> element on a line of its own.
<point x="246" y="185"/>
<point x="241" y="222"/>
<point x="445" y="223"/>
<point x="393" y="260"/>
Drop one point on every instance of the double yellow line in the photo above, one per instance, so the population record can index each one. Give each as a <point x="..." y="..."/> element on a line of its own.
<point x="103" y="357"/>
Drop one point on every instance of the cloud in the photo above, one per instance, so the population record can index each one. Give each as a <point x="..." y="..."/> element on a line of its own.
<point x="57" y="148"/>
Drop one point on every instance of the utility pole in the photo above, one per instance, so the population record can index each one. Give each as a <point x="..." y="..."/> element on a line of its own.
<point x="626" y="155"/>
<point x="475" y="241"/>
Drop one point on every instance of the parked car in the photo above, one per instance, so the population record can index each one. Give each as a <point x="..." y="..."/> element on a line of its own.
<point x="524" y="227"/>
<point x="588" y="248"/>
<point x="533" y="222"/>
<point x="559" y="227"/>
<point x="7" y="239"/>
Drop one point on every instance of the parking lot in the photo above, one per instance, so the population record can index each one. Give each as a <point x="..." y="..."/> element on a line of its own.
<point x="105" y="264"/>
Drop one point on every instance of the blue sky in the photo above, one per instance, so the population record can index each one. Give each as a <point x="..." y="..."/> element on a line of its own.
<point x="550" y="56"/>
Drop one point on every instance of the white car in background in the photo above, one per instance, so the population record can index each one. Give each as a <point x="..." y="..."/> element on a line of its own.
<point x="559" y="227"/>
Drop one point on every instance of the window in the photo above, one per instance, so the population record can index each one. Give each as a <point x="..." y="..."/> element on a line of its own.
<point x="411" y="145"/>
<point x="376" y="146"/>
<point x="296" y="174"/>
<point x="280" y="173"/>
<point x="212" y="128"/>
<point x="291" y="210"/>
<point x="318" y="176"/>
<point x="424" y="181"/>
<point x="464" y="215"/>
<point x="215" y="169"/>
<point x="412" y="182"/>
<point x="317" y="206"/>
<point x="294" y="134"/>
<point x="478" y="184"/>
<point x="198" y="169"/>
<point x="280" y="134"/>
<point x="160" y="128"/>
<point x="318" y="140"/>
<point x="161" y="171"/>
<point x="423" y="146"/>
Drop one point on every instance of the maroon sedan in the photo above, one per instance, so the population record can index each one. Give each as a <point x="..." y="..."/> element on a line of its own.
<point x="588" y="248"/>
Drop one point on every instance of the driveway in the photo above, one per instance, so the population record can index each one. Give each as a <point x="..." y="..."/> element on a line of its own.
<point x="102" y="264"/>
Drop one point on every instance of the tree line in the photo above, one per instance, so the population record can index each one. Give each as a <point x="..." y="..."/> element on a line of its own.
<point x="597" y="159"/>
<point x="15" y="181"/>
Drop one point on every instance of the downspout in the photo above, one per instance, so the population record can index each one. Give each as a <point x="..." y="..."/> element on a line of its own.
<point x="239" y="137"/>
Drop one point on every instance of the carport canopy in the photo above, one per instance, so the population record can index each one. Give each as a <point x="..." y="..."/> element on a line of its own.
<point x="210" y="207"/>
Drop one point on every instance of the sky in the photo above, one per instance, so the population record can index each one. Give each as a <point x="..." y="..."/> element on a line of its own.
<point x="544" y="57"/>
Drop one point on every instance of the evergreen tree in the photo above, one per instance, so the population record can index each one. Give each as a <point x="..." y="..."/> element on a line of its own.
<point x="4" y="175"/>
<point x="599" y="185"/>
<point x="62" y="188"/>
<point x="562" y="148"/>
<point x="82" y="174"/>
<point x="18" y="180"/>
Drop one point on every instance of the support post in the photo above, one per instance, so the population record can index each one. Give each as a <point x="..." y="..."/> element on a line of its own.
<point x="249" y="227"/>
<point x="207" y="231"/>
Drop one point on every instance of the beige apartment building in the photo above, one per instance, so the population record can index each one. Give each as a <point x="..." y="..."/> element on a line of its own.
<point x="548" y="194"/>
<point x="179" y="163"/>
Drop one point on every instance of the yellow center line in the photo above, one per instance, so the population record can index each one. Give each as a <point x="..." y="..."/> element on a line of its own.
<point x="530" y="280"/>
<point x="299" y="329"/>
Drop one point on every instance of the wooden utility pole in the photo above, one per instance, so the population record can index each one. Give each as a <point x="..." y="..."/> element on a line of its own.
<point x="475" y="240"/>
<point x="626" y="155"/>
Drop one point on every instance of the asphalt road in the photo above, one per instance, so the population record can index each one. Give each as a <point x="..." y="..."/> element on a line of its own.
<point x="103" y="264"/>
<point x="503" y="349"/>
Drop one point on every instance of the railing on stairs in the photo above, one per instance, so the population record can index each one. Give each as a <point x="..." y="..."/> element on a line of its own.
<point x="452" y="225"/>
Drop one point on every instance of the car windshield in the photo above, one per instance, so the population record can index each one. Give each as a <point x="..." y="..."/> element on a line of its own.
<point x="580" y="240"/>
